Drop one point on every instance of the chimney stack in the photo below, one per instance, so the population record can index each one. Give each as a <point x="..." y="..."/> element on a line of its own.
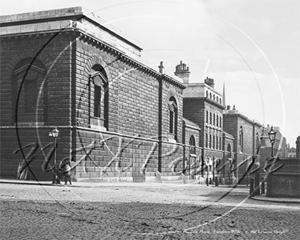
<point x="209" y="82"/>
<point x="183" y="72"/>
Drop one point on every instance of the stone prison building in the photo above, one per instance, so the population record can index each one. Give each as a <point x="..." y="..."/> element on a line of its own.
<point x="117" y="118"/>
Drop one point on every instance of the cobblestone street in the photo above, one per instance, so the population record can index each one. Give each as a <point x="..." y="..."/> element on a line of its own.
<point x="141" y="211"/>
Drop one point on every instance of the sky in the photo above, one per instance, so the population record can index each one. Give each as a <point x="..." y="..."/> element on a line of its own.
<point x="251" y="46"/>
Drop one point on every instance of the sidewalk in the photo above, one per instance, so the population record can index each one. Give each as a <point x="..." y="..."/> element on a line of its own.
<point x="91" y="183"/>
<point x="274" y="199"/>
<point x="95" y="184"/>
<point x="87" y="184"/>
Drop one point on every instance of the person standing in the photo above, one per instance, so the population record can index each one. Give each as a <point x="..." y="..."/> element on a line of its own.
<point x="65" y="166"/>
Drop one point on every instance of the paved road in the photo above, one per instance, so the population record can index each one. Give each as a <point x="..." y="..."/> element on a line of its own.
<point x="141" y="211"/>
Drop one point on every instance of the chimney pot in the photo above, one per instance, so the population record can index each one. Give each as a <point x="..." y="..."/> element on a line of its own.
<point x="161" y="67"/>
<point x="182" y="71"/>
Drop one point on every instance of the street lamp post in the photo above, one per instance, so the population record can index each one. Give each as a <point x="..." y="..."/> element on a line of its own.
<point x="54" y="133"/>
<point x="272" y="137"/>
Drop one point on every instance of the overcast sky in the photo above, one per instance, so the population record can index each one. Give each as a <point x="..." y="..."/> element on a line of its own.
<point x="251" y="46"/>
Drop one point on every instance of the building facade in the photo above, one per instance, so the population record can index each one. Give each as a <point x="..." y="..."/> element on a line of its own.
<point x="291" y="151"/>
<point x="246" y="134"/>
<point x="203" y="105"/>
<point x="117" y="118"/>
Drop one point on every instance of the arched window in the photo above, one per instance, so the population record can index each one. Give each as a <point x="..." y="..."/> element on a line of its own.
<point x="210" y="118"/>
<point x="99" y="82"/>
<point x="214" y="119"/>
<point x="241" y="139"/>
<point x="214" y="97"/>
<point x="192" y="144"/>
<point x="28" y="81"/>
<point x="210" y="96"/>
<point x="173" y="117"/>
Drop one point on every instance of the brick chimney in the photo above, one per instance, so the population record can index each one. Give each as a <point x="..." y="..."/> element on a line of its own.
<point x="209" y="82"/>
<point x="183" y="72"/>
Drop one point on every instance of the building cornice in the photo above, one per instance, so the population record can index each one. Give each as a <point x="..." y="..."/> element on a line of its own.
<point x="75" y="14"/>
<point x="129" y="60"/>
<point x="221" y="106"/>
<point x="191" y="125"/>
<point x="205" y="99"/>
<point x="237" y="114"/>
<point x="68" y="27"/>
<point x="123" y="56"/>
<point x="173" y="81"/>
<point x="227" y="135"/>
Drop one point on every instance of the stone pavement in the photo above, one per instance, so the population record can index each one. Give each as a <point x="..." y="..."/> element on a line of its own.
<point x="128" y="210"/>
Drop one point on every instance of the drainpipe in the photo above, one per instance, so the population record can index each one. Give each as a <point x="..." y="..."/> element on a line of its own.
<point x="159" y="122"/>
<point x="73" y="100"/>
<point x="253" y="138"/>
<point x="183" y="142"/>
<point x="202" y="159"/>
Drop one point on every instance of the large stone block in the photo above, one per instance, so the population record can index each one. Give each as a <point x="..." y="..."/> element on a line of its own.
<point x="286" y="181"/>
